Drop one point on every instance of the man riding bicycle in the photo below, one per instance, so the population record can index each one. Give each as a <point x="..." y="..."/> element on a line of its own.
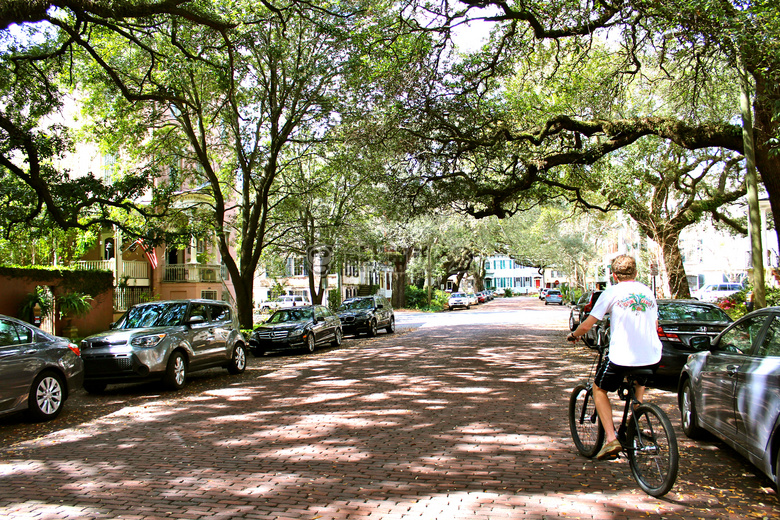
<point x="633" y="341"/>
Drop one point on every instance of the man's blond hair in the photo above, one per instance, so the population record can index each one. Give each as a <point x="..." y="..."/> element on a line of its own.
<point x="624" y="267"/>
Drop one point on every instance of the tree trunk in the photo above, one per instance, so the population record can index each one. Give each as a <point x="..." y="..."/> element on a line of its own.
<point x="317" y="290"/>
<point x="400" y="263"/>
<point x="678" y="281"/>
<point x="244" y="303"/>
<point x="767" y="159"/>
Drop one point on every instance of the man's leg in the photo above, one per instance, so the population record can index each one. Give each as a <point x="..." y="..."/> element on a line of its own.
<point x="611" y="445"/>
<point x="604" y="409"/>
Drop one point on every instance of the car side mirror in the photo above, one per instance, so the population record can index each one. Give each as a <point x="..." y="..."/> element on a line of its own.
<point x="380" y="306"/>
<point x="319" y="319"/>
<point x="700" y="343"/>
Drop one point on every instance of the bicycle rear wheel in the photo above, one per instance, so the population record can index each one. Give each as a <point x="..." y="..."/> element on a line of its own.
<point x="652" y="450"/>
<point x="586" y="429"/>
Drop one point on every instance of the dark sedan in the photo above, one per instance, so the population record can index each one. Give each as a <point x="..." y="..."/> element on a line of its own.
<point x="37" y="370"/>
<point x="297" y="327"/>
<point x="366" y="314"/>
<point x="731" y="388"/>
<point x="678" y="322"/>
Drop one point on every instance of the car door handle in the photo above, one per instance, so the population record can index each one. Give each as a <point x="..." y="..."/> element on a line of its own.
<point x="732" y="370"/>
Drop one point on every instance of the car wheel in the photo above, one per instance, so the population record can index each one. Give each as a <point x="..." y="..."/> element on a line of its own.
<point x="94" y="387"/>
<point x="47" y="396"/>
<point x="777" y="471"/>
<point x="391" y="327"/>
<point x="311" y="342"/>
<point x="546" y="302"/>
<point x="238" y="361"/>
<point x="176" y="372"/>
<point x="337" y="337"/>
<point x="690" y="423"/>
<point x="372" y="328"/>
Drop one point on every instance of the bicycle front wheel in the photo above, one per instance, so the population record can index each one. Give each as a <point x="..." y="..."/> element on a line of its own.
<point x="586" y="429"/>
<point x="652" y="450"/>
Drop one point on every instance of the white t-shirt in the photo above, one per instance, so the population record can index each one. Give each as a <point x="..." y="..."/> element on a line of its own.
<point x="633" y="323"/>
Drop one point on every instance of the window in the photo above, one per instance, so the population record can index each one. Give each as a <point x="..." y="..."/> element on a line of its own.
<point x="108" y="249"/>
<point x="351" y="269"/>
<point x="208" y="295"/>
<point x="220" y="313"/>
<point x="12" y="334"/>
<point x="739" y="339"/>
<point x="771" y="345"/>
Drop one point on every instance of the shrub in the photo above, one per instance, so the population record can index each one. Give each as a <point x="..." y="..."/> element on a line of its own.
<point x="417" y="298"/>
<point x="334" y="300"/>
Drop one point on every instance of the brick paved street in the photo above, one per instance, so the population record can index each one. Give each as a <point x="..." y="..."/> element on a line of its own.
<point x="463" y="417"/>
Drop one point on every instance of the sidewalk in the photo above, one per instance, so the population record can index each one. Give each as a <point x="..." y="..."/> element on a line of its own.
<point x="467" y="420"/>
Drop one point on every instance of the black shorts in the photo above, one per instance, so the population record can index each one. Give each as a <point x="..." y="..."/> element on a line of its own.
<point x="609" y="376"/>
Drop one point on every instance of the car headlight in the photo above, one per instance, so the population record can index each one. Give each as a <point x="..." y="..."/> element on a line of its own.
<point x="147" y="341"/>
<point x="297" y="332"/>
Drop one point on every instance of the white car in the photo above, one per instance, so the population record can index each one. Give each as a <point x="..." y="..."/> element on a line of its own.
<point x="458" y="299"/>
<point x="713" y="292"/>
<point x="285" y="301"/>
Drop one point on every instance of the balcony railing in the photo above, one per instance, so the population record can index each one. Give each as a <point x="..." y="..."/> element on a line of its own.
<point x="194" y="273"/>
<point x="126" y="297"/>
<point x="130" y="268"/>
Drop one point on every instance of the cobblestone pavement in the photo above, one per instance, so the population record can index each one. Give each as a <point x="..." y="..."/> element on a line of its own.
<point x="461" y="417"/>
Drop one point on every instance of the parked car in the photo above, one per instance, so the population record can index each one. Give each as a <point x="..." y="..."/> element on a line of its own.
<point x="366" y="314"/>
<point x="299" y="327"/>
<point x="38" y="371"/>
<point x="713" y="292"/>
<point x="553" y="296"/>
<point x="581" y="308"/>
<point x="481" y="298"/>
<point x="472" y="298"/>
<point x="165" y="340"/>
<point x="731" y="388"/>
<point x="282" y="302"/>
<point x="543" y="293"/>
<point x="458" y="300"/>
<point x="678" y="322"/>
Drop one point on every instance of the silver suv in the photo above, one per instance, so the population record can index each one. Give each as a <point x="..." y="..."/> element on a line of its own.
<point x="164" y="340"/>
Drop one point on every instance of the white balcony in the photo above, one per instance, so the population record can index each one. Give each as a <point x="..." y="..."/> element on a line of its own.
<point x="181" y="273"/>
<point x="134" y="273"/>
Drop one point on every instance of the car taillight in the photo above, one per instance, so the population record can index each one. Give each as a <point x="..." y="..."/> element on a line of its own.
<point x="74" y="348"/>
<point x="669" y="336"/>
<point x="587" y="308"/>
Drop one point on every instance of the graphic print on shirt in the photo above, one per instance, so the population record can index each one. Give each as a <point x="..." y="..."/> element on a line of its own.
<point x="636" y="302"/>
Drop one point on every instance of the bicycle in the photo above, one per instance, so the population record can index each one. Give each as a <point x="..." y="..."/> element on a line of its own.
<point x="647" y="436"/>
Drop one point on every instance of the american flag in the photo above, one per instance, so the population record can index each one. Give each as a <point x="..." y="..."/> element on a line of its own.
<point x="150" y="253"/>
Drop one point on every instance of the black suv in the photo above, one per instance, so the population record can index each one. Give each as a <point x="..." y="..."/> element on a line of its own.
<point x="366" y="314"/>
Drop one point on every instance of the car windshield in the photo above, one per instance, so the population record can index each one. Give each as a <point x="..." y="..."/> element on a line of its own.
<point x="458" y="295"/>
<point x="153" y="315"/>
<point x="690" y="312"/>
<point x="290" y="315"/>
<point x="366" y="303"/>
